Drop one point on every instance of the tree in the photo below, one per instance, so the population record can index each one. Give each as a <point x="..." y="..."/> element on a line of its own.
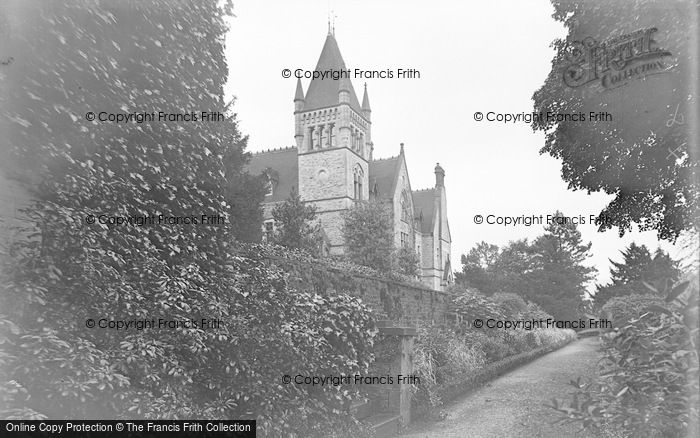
<point x="641" y="154"/>
<point x="407" y="261"/>
<point x="512" y="271"/>
<point x="108" y="59"/>
<point x="549" y="271"/>
<point x="558" y="282"/>
<point x="126" y="229"/>
<point x="637" y="267"/>
<point x="244" y="192"/>
<point x="295" y="223"/>
<point x="369" y="236"/>
<point x="478" y="268"/>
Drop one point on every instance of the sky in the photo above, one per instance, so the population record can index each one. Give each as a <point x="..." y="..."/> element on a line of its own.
<point x="485" y="56"/>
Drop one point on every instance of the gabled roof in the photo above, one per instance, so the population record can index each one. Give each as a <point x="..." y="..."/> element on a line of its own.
<point x="323" y="93"/>
<point x="424" y="203"/>
<point x="284" y="166"/>
<point x="383" y="175"/>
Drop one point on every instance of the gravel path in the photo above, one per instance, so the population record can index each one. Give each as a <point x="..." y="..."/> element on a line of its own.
<point x="513" y="404"/>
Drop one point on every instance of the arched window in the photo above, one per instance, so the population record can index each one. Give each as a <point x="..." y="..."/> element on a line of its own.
<point x="357" y="176"/>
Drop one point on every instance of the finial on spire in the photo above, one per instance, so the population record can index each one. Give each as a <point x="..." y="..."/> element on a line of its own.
<point x="365" y="102"/>
<point x="401" y="149"/>
<point x="331" y="22"/>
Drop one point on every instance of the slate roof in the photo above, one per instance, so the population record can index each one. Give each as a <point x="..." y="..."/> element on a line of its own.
<point x="284" y="163"/>
<point x="424" y="202"/>
<point x="323" y="93"/>
<point x="383" y="175"/>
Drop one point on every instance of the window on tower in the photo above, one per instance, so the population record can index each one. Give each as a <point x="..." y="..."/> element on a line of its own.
<point x="358" y="175"/>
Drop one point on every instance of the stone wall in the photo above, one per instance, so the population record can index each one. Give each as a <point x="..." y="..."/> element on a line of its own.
<point x="405" y="303"/>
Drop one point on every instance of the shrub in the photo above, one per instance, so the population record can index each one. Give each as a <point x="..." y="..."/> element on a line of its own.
<point x="534" y="311"/>
<point x="296" y="224"/>
<point x="620" y="310"/>
<point x="268" y="331"/>
<point x="648" y="384"/>
<point x="368" y="235"/>
<point x="511" y="303"/>
<point x="444" y="358"/>
<point x="471" y="304"/>
<point x="552" y="338"/>
<point x="441" y="357"/>
<point x="407" y="262"/>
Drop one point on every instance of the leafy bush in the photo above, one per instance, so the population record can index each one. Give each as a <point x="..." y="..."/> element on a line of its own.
<point x="648" y="384"/>
<point x="368" y="235"/>
<point x="106" y="57"/>
<point x="494" y="346"/>
<point x="621" y="309"/>
<point x="552" y="338"/>
<point x="444" y="358"/>
<point x="511" y="303"/>
<point x="407" y="262"/>
<point x="296" y="224"/>
<point x="284" y="256"/>
<point x="441" y="357"/>
<point x="534" y="311"/>
<point x="61" y="370"/>
<point x="471" y="304"/>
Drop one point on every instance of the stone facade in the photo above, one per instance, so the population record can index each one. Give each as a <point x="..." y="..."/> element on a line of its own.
<point x="332" y="166"/>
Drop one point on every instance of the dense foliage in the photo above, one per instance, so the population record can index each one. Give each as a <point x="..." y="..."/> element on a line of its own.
<point x="637" y="268"/>
<point x="368" y="234"/>
<point x="550" y="271"/>
<point x="648" y="383"/>
<point x="642" y="155"/>
<point x="621" y="310"/>
<point x="446" y="357"/>
<point x="152" y="56"/>
<point x="407" y="262"/>
<point x="295" y="224"/>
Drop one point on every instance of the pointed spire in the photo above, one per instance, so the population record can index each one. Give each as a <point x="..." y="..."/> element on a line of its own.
<point x="324" y="92"/>
<point x="401" y="151"/>
<point x="365" y="101"/>
<point x="299" y="95"/>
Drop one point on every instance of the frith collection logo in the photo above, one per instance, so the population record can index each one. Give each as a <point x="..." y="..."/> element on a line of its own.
<point x="616" y="61"/>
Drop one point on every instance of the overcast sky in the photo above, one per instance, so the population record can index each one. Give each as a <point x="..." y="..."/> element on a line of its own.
<point x="486" y="56"/>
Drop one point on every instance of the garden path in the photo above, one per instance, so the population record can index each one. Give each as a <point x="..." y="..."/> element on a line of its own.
<point x="513" y="404"/>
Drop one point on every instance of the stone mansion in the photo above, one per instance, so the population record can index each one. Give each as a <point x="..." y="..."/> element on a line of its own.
<point x="332" y="166"/>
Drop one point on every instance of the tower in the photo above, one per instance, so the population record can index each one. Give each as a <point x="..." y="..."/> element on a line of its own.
<point x="333" y="138"/>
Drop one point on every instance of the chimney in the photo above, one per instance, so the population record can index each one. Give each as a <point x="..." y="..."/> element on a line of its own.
<point x="439" y="176"/>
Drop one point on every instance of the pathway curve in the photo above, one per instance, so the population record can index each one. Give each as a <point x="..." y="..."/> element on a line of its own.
<point x="513" y="404"/>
